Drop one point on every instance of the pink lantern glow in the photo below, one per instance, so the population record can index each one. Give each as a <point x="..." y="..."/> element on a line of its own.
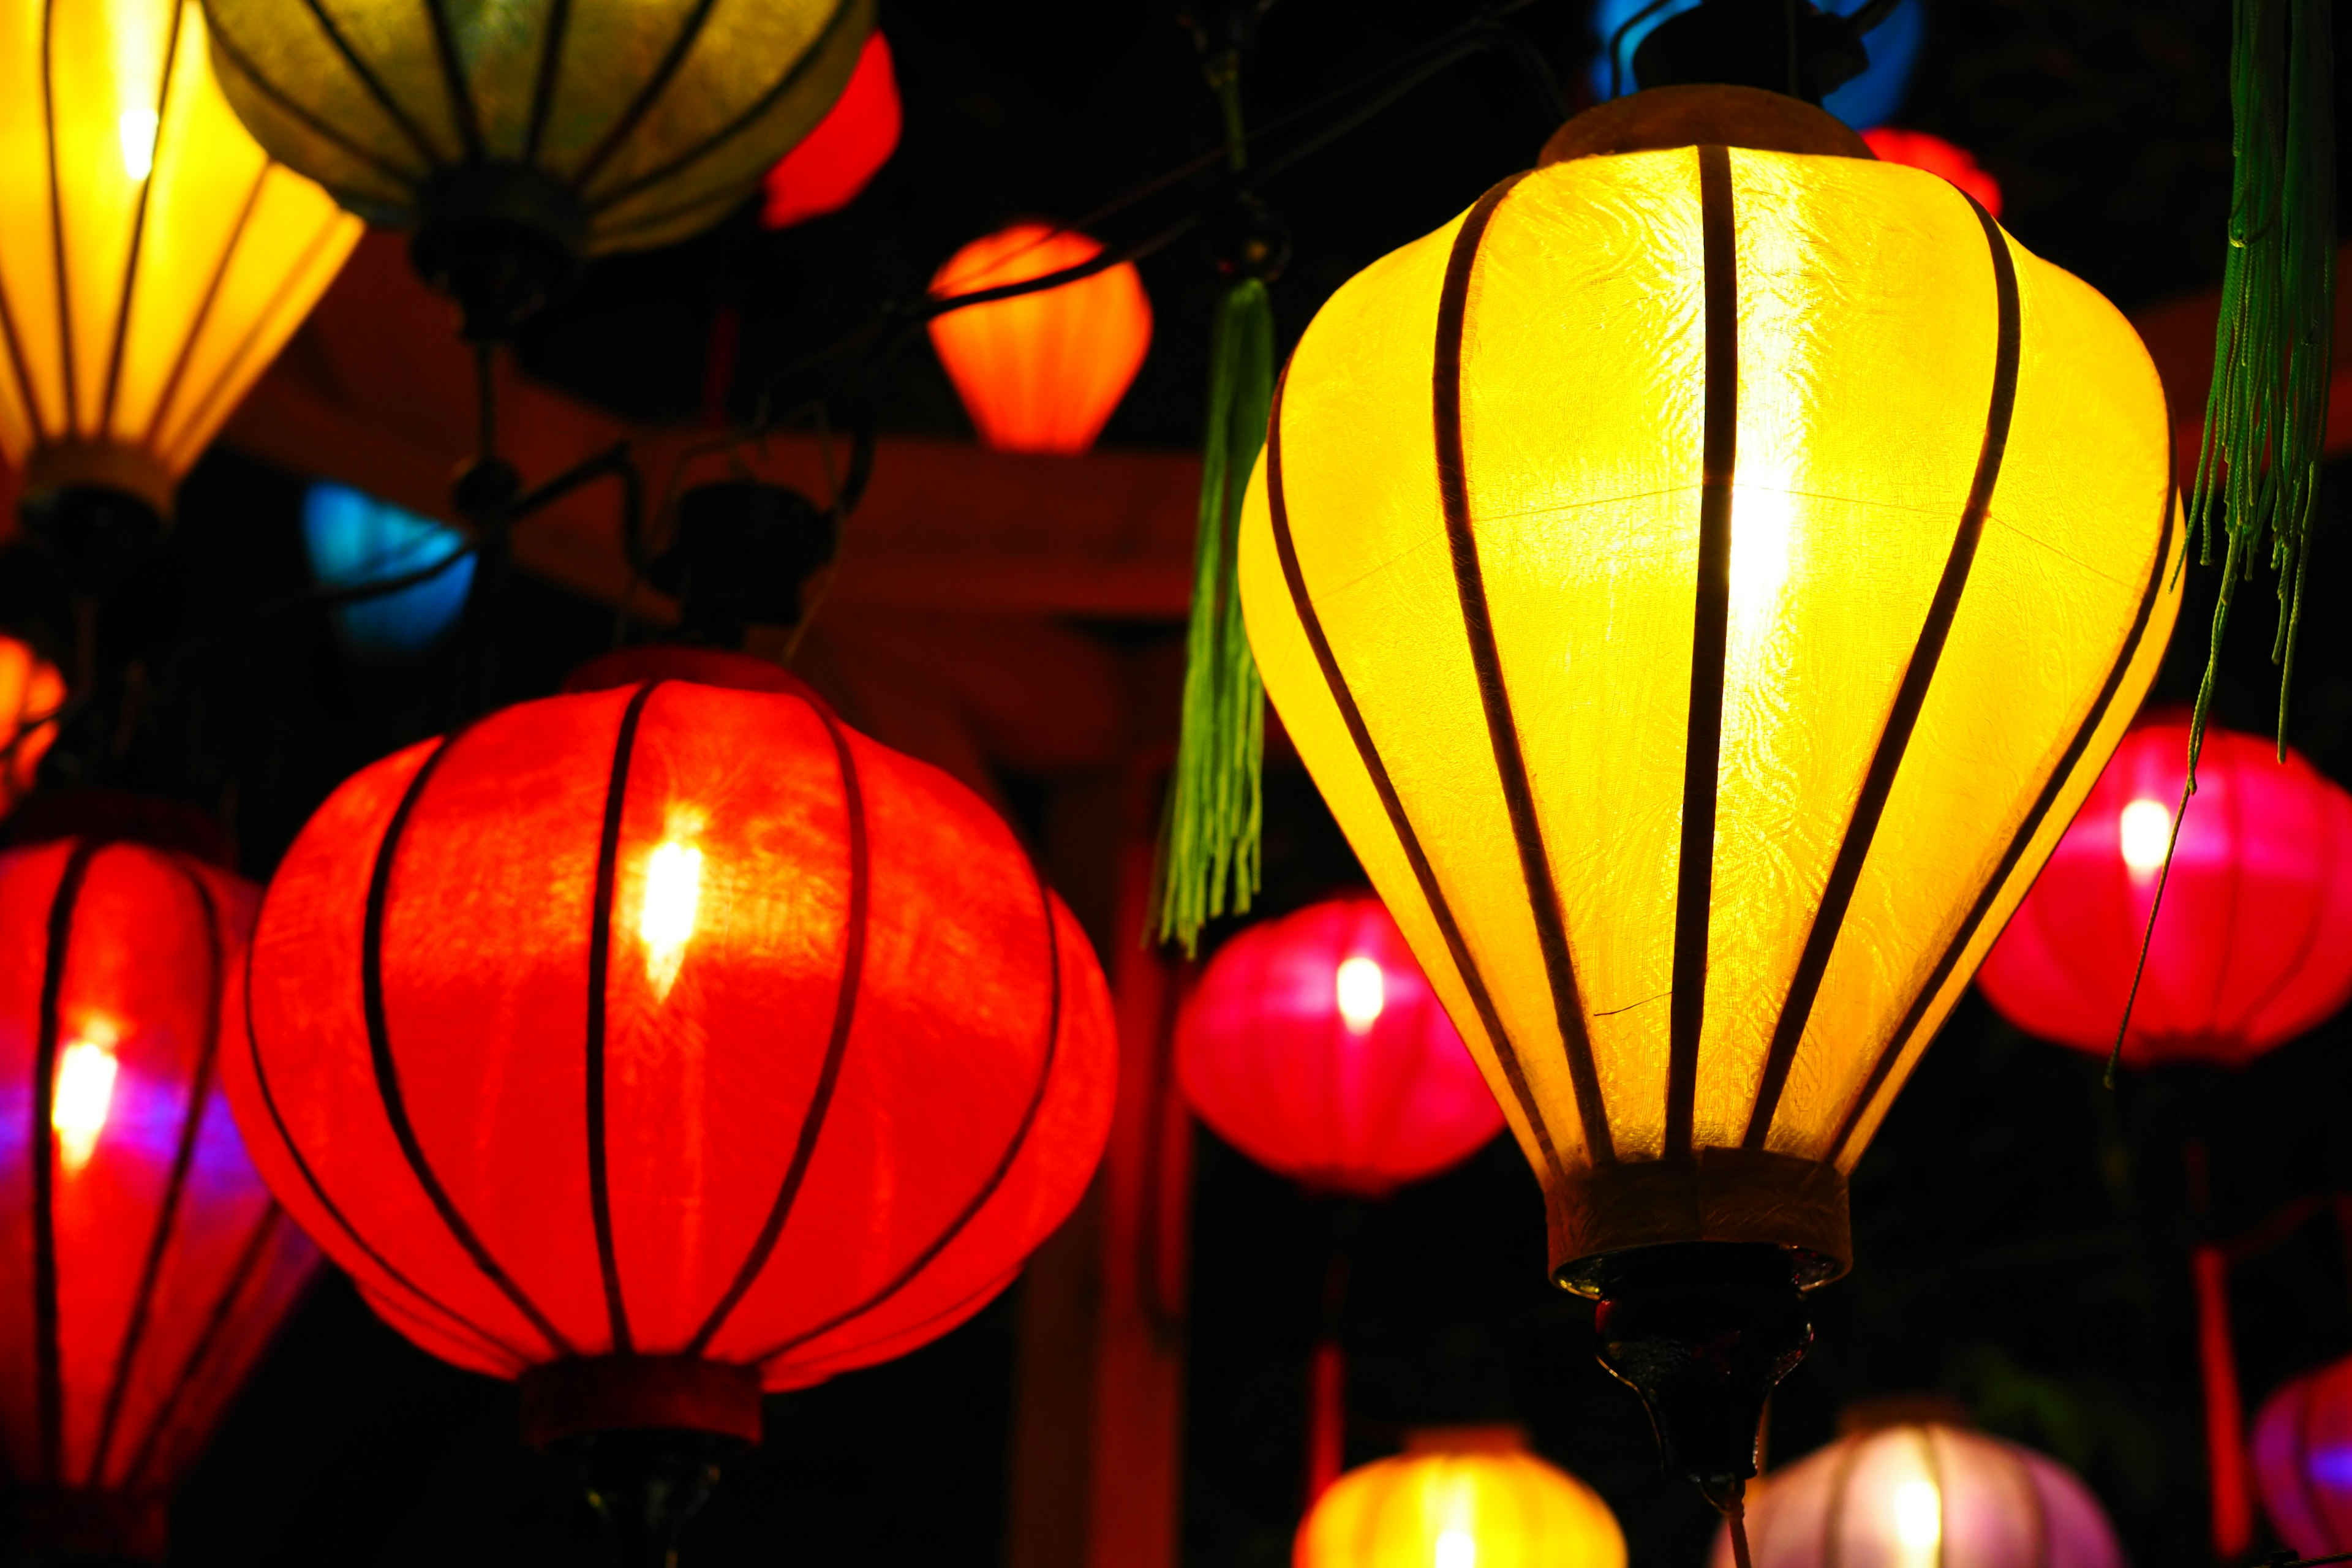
<point x="2303" y="1460"/>
<point x="1315" y="1046"/>
<point x="2254" y="944"/>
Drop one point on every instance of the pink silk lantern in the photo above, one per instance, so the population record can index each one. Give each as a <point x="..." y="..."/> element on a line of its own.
<point x="2303" y="1459"/>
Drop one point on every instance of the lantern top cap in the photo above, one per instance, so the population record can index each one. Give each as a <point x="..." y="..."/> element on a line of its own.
<point x="1861" y="1417"/>
<point x="1492" y="1437"/>
<point x="1710" y="113"/>
<point x="702" y="666"/>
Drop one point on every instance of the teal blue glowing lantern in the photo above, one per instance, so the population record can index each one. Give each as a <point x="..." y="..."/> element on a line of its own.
<point x="355" y="538"/>
<point x="1869" y="100"/>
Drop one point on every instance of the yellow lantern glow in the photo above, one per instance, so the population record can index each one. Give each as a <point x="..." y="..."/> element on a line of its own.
<point x="152" y="258"/>
<point x="1462" y="1496"/>
<point x="1703" y="581"/>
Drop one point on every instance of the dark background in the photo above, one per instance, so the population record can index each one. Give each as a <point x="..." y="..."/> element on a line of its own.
<point x="2020" y="1231"/>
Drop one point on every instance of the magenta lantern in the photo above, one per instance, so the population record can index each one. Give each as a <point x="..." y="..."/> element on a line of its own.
<point x="2303" y="1460"/>
<point x="2254" y="942"/>
<point x="1314" y="1045"/>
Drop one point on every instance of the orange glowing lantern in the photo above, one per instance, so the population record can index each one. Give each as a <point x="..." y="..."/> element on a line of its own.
<point x="1041" y="372"/>
<point x="1461" y="1497"/>
<point x="31" y="692"/>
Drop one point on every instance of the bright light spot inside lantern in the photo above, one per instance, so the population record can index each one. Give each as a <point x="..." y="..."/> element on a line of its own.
<point x="136" y="129"/>
<point x="673" y="897"/>
<point x="1763" y="519"/>
<point x="1456" y="1549"/>
<point x="1362" y="993"/>
<point x="85" y="1090"/>
<point x="2146" y="831"/>
<point x="1919" y="1515"/>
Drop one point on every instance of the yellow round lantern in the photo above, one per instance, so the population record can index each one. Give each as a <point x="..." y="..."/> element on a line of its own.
<point x="1460" y="1497"/>
<point x="1704" y="579"/>
<point x="519" y="139"/>
<point x="152" y="258"/>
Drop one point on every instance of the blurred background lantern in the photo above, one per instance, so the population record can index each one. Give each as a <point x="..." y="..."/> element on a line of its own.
<point x="848" y="148"/>
<point x="146" y="1265"/>
<point x="2303" y="1460"/>
<point x="1699" y="841"/>
<point x="31" y="692"/>
<point x="846" y="1058"/>
<point x="2254" y="942"/>
<point x="518" y="143"/>
<point x="1911" y="1492"/>
<point x="152" y="259"/>
<point x="1871" y="99"/>
<point x="353" y="537"/>
<point x="1921" y="151"/>
<point x="1041" y="372"/>
<point x="1461" y="1497"/>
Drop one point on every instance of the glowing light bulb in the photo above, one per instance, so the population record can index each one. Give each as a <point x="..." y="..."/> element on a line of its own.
<point x="84" y="1093"/>
<point x="1457" y="1548"/>
<point x="1362" y="993"/>
<point x="665" y="920"/>
<point x="136" y="129"/>
<point x="2146" y="831"/>
<point x="1919" y="1515"/>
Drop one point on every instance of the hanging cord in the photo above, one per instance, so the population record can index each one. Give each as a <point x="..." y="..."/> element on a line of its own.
<point x="1733" y="1505"/>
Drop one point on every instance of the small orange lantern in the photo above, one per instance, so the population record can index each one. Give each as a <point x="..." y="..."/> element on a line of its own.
<point x="1041" y="372"/>
<point x="1461" y="1497"/>
<point x="31" y="691"/>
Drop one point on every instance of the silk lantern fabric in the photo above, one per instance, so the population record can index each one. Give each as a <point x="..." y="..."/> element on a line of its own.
<point x="2254" y="945"/>
<point x="2303" y="1460"/>
<point x="1937" y="156"/>
<point x="671" y="1020"/>
<point x="1463" y="1496"/>
<point x="1924" y="1495"/>
<point x="637" y="122"/>
<point x="1684" y="577"/>
<point x="1041" y="372"/>
<point x="848" y="148"/>
<point x="145" y="1265"/>
<point x="31" y="692"/>
<point x="152" y="258"/>
<point x="1314" y="1045"/>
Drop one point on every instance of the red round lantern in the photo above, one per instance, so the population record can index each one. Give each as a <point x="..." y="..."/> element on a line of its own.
<point x="2254" y="942"/>
<point x="1313" y="1045"/>
<point x="2303" y="1460"/>
<point x="670" y="1041"/>
<point x="827" y="169"/>
<point x="1950" y="162"/>
<point x="146" y="1265"/>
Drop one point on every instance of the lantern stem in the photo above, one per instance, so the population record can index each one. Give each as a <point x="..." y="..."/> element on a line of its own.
<point x="1703" y="1332"/>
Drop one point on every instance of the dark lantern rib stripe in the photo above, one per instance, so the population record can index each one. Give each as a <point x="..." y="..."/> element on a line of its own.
<point x="664" y="71"/>
<point x="387" y="1070"/>
<point x="600" y="963"/>
<point x="1013" y="1147"/>
<point x="2043" y="806"/>
<point x="248" y="1260"/>
<point x="41" y="1146"/>
<point x="1486" y="660"/>
<point x="138" y="234"/>
<point x="1910" y="695"/>
<point x="203" y="317"/>
<point x="836" y="1044"/>
<point x="1424" y="876"/>
<point x="452" y="80"/>
<point x="220" y="43"/>
<point x="543" y="90"/>
<point x="253" y="332"/>
<point x="1710" y="639"/>
<point x="62" y="275"/>
<point x="381" y="94"/>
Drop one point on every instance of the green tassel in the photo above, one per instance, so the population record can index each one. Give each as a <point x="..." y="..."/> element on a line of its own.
<point x="1209" y="843"/>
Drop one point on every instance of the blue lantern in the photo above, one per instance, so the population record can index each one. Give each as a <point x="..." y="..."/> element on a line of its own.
<point x="355" y="538"/>
<point x="1870" y="99"/>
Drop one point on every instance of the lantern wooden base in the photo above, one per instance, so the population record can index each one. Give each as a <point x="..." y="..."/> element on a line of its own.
<point x="1693" y="116"/>
<point x="596" y="1394"/>
<point x="72" y="1521"/>
<point x="1716" y="1195"/>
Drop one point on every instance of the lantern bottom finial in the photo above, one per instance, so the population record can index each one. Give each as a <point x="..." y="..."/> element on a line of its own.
<point x="500" y="238"/>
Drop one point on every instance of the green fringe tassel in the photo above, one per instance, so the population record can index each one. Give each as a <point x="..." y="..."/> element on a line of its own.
<point x="1209" y="841"/>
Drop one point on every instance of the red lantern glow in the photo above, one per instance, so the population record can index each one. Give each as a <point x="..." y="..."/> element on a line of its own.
<point x="1315" y="1046"/>
<point x="668" y="1042"/>
<point x="1041" y="372"/>
<point x="31" y="691"/>
<point x="2303" y="1460"/>
<point x="146" y="1266"/>
<point x="827" y="169"/>
<point x="1937" y="156"/>
<point x="2254" y="944"/>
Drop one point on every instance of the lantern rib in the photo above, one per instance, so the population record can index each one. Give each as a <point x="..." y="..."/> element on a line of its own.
<point x="49" y="1390"/>
<point x="1376" y="770"/>
<point x="248" y="1260"/>
<point x="1910" y="697"/>
<point x="288" y="105"/>
<point x="9" y="335"/>
<point x="453" y="79"/>
<point x="334" y="1211"/>
<point x="182" y="1160"/>
<point x="2043" y="806"/>
<point x="664" y="71"/>
<point x="138" y="236"/>
<point x="988" y="1190"/>
<point x="72" y="423"/>
<point x="1502" y="728"/>
<point x="542" y="91"/>
<point x="836" y="1044"/>
<point x="1710" y="643"/>
<point x="197" y="324"/>
<point x="728" y="133"/>
<point x="600" y="963"/>
<point x="2044" y="1547"/>
<point x="387" y="1072"/>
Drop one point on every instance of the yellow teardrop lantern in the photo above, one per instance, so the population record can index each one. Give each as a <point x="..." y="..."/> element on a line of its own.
<point x="152" y="258"/>
<point x="1462" y="1497"/>
<point x="1703" y="581"/>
